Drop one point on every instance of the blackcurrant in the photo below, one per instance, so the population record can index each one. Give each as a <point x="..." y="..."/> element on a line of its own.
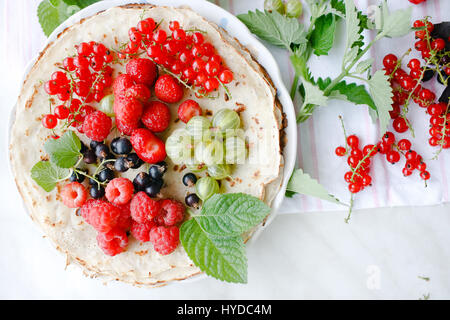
<point x="77" y="177"/>
<point x="189" y="180"/>
<point x="94" y="144"/>
<point x="134" y="161"/>
<point x="106" y="175"/>
<point x="141" y="181"/>
<point x="97" y="192"/>
<point x="102" y="151"/>
<point x="428" y="75"/>
<point x="121" y="164"/>
<point x="121" y="146"/>
<point x="157" y="171"/>
<point x="193" y="201"/>
<point x="153" y="190"/>
<point x="89" y="157"/>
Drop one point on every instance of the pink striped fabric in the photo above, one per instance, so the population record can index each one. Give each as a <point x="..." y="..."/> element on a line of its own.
<point x="21" y="39"/>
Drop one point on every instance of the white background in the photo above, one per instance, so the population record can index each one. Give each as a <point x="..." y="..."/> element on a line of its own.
<point x="381" y="254"/>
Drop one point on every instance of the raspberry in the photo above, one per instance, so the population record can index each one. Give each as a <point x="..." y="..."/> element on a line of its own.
<point x="128" y="114"/>
<point x="143" y="208"/>
<point x="142" y="71"/>
<point x="84" y="210"/>
<point x="124" y="221"/>
<point x="148" y="147"/>
<point x="121" y="83"/>
<point x="119" y="191"/>
<point x="168" y="89"/>
<point x="141" y="231"/>
<point x="102" y="215"/>
<point x="113" y="242"/>
<point x="188" y="110"/>
<point x="97" y="125"/>
<point x="172" y="212"/>
<point x="139" y="92"/>
<point x="74" y="195"/>
<point x="165" y="240"/>
<point x="156" y="116"/>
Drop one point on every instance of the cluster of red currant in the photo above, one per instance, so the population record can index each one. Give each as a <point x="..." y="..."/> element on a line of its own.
<point x="183" y="53"/>
<point x="86" y="75"/>
<point x="407" y="87"/>
<point x="359" y="161"/>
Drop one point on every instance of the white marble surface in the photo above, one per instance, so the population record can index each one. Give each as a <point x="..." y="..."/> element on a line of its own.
<point x="380" y="255"/>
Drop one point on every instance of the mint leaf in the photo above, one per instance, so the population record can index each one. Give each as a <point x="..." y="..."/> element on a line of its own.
<point x="381" y="91"/>
<point x="275" y="28"/>
<point x="302" y="183"/>
<point x="46" y="175"/>
<point x="220" y="257"/>
<point x="231" y="214"/>
<point x="395" y="24"/>
<point x="355" y="93"/>
<point x="322" y="38"/>
<point x="52" y="13"/>
<point x="352" y="22"/>
<point x="313" y="95"/>
<point x="65" y="151"/>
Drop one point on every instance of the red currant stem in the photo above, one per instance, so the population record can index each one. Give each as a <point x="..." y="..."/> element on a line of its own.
<point x="350" y="210"/>
<point x="102" y="164"/>
<point x="88" y="176"/>
<point x="347" y="147"/>
<point x="141" y="16"/>
<point x="225" y="88"/>
<point x="355" y="170"/>
<point x="196" y="30"/>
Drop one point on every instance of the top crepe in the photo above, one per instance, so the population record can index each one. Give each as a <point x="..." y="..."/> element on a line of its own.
<point x="252" y="94"/>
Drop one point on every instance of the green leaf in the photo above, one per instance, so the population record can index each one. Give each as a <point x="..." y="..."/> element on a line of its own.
<point x="300" y="66"/>
<point x="381" y="91"/>
<point x="232" y="214"/>
<point x="52" y="13"/>
<point x="65" y="151"/>
<point x="313" y="95"/>
<point x="275" y="28"/>
<point x="322" y="38"/>
<point x="395" y="24"/>
<point x="220" y="257"/>
<point x="302" y="183"/>
<point x="352" y="23"/>
<point x="46" y="175"/>
<point x="355" y="93"/>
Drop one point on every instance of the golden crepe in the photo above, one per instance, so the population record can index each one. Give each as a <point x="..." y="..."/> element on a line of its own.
<point x="252" y="95"/>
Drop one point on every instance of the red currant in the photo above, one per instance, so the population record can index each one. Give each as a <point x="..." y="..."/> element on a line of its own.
<point x="226" y="76"/>
<point x="390" y="61"/>
<point x="414" y="64"/>
<point x="340" y="151"/>
<point x="160" y="36"/>
<point x="369" y="149"/>
<point x="389" y="138"/>
<point x="61" y="112"/>
<point x="425" y="175"/>
<point x="354" y="187"/>
<point x="49" y="121"/>
<point x="404" y="144"/>
<point x="353" y="141"/>
<point x="393" y="156"/>
<point x="438" y="44"/>
<point x="174" y="25"/>
<point x="400" y="125"/>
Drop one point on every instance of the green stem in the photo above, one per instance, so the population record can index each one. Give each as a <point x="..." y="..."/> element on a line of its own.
<point x="294" y="87"/>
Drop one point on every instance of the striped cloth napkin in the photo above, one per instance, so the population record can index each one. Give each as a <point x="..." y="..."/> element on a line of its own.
<point x="21" y="39"/>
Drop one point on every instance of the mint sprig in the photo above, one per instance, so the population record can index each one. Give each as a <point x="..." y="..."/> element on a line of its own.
<point x="213" y="239"/>
<point x="47" y="175"/>
<point x="51" y="13"/>
<point x="65" y="151"/>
